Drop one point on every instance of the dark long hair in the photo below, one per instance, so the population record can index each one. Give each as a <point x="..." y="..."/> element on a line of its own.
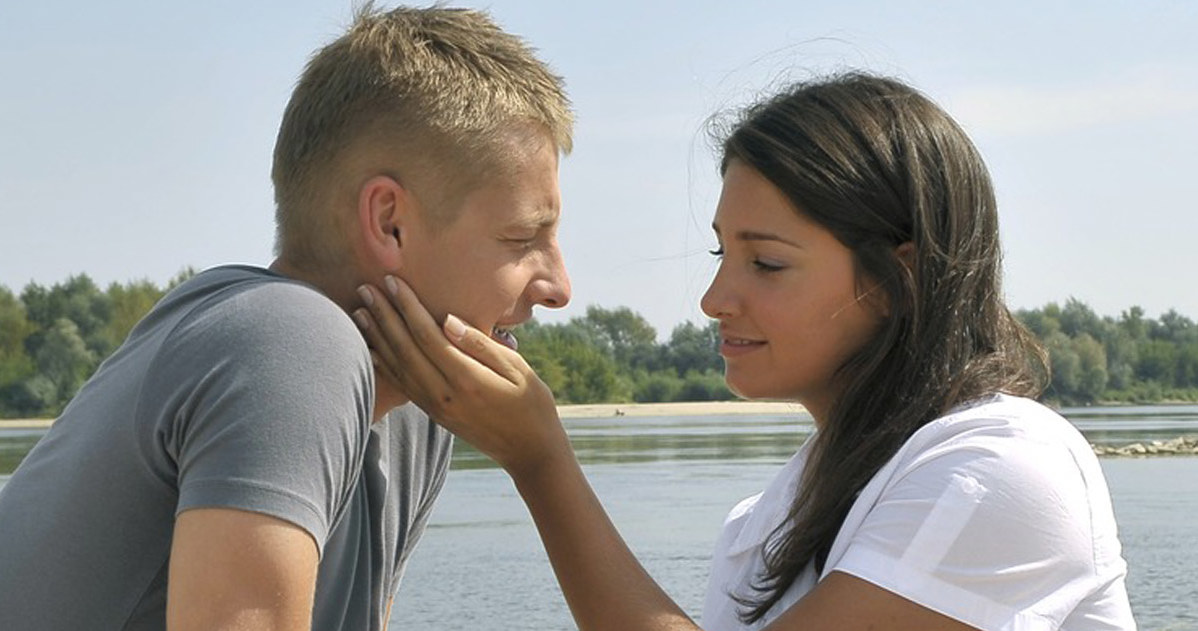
<point x="878" y="164"/>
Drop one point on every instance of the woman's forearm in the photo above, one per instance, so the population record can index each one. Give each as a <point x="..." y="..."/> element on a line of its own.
<point x="606" y="587"/>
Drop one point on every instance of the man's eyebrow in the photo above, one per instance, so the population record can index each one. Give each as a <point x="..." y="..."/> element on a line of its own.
<point x="752" y="235"/>
<point x="548" y="217"/>
<point x="539" y="220"/>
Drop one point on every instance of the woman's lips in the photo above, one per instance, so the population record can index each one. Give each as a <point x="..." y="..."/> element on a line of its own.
<point x="737" y="346"/>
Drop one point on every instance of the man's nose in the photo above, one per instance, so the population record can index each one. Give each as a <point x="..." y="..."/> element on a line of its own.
<point x="552" y="289"/>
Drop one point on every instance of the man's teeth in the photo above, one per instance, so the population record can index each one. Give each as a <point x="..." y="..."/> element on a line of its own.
<point x="505" y="337"/>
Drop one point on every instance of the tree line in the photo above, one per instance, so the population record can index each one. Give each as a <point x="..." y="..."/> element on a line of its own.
<point x="1128" y="359"/>
<point x="53" y="338"/>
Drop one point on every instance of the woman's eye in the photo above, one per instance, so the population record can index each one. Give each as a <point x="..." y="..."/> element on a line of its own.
<point x="718" y="252"/>
<point x="765" y="266"/>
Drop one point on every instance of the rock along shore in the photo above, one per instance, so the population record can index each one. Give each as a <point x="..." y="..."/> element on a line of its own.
<point x="1180" y="446"/>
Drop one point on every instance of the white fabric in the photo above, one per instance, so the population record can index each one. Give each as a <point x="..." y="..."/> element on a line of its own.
<point x="996" y="515"/>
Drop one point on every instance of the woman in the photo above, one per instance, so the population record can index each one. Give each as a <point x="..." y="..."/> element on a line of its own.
<point x="859" y="276"/>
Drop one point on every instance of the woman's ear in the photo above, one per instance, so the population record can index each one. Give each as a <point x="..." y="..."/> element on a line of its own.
<point x="905" y="252"/>
<point x="383" y="207"/>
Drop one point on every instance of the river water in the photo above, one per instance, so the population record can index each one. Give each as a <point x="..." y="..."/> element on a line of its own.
<point x="667" y="483"/>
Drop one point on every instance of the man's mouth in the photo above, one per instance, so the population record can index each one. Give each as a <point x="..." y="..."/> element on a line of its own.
<point x="505" y="337"/>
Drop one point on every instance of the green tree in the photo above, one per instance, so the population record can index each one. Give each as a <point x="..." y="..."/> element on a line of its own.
<point x="183" y="276"/>
<point x="694" y="348"/>
<point x="1173" y="327"/>
<point x="576" y="369"/>
<point x="656" y="387"/>
<point x="537" y="348"/>
<point x="34" y="397"/>
<point x="64" y="359"/>
<point x="1185" y="373"/>
<point x="1132" y="322"/>
<point x="592" y="376"/>
<point x="128" y="304"/>
<point x="705" y="386"/>
<point x="15" y="365"/>
<point x="623" y="333"/>
<point x="1065" y="364"/>
<point x="1092" y="366"/>
<point x="1156" y="361"/>
<point x="1041" y="322"/>
<point x="1121" y="356"/>
<point x="78" y="300"/>
<point x="1077" y="318"/>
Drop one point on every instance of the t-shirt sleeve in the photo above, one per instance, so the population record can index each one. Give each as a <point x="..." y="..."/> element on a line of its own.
<point x="992" y="530"/>
<point x="268" y="395"/>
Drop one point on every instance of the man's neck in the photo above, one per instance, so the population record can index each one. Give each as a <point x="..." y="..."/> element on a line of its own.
<point x="330" y="282"/>
<point x="339" y="290"/>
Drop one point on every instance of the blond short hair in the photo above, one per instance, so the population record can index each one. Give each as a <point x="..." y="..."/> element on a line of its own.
<point x="438" y="91"/>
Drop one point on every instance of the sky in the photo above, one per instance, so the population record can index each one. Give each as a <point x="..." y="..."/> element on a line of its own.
<point x="136" y="136"/>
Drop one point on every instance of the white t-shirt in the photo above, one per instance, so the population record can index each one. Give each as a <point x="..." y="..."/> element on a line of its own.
<point x="996" y="515"/>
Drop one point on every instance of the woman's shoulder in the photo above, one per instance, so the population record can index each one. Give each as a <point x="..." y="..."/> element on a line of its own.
<point x="999" y="505"/>
<point x="999" y="438"/>
<point x="998" y="416"/>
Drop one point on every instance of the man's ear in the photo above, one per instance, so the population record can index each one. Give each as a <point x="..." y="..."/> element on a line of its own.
<point x="384" y="205"/>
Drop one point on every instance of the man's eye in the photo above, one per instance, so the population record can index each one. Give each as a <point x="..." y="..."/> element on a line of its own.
<point x="718" y="252"/>
<point x="523" y="243"/>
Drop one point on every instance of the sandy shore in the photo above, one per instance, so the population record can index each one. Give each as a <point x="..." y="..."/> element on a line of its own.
<point x="697" y="408"/>
<point x="25" y="423"/>
<point x="700" y="408"/>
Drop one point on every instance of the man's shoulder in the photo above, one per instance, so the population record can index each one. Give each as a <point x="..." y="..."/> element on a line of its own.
<point x="248" y="288"/>
<point x="249" y="306"/>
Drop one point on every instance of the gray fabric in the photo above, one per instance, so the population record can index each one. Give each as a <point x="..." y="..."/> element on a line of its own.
<point x="406" y="462"/>
<point x="241" y="389"/>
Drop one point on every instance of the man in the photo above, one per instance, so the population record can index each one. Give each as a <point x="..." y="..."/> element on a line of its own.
<point x="234" y="465"/>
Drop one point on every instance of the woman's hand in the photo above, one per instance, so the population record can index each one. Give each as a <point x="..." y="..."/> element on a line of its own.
<point x="480" y="390"/>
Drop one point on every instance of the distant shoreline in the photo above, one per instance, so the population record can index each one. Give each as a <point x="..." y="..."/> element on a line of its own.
<point x="1184" y="445"/>
<point x="605" y="410"/>
<point x="596" y="410"/>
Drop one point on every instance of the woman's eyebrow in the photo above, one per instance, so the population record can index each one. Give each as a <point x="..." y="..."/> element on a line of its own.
<point x="752" y="235"/>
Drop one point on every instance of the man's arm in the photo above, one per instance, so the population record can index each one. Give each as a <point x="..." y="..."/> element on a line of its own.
<point x="239" y="571"/>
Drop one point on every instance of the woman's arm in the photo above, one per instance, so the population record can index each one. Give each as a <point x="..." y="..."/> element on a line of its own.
<point x="487" y="395"/>
<point x="494" y="400"/>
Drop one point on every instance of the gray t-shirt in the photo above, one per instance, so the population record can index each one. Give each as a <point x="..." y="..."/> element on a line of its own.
<point x="241" y="389"/>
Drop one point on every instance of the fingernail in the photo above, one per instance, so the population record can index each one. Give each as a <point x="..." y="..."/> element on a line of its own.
<point x="454" y="326"/>
<point x="361" y="319"/>
<point x="366" y="295"/>
<point x="392" y="284"/>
